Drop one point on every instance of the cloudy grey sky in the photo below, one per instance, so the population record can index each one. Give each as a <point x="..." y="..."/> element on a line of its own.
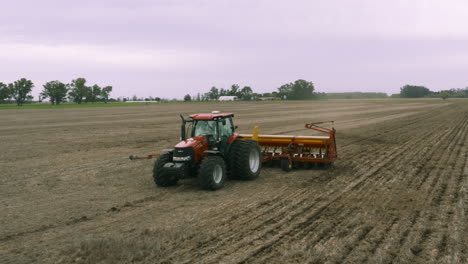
<point x="170" y="48"/>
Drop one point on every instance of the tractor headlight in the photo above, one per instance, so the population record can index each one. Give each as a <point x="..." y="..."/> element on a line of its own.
<point x="186" y="158"/>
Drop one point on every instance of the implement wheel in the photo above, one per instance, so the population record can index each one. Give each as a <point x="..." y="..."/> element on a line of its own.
<point x="285" y="165"/>
<point x="245" y="159"/>
<point x="212" y="173"/>
<point x="160" y="175"/>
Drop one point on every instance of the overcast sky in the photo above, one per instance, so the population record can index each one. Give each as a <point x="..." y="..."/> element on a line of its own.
<point x="171" y="48"/>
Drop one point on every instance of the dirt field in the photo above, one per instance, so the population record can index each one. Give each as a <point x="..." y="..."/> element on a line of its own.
<point x="397" y="194"/>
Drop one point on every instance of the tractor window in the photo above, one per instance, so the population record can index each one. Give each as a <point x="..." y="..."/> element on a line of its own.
<point x="226" y="130"/>
<point x="205" y="128"/>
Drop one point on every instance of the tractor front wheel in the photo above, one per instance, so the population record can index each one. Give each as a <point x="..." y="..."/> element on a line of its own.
<point x="212" y="173"/>
<point x="160" y="175"/>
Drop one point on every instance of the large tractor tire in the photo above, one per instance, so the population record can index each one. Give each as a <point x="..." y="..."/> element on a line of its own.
<point x="245" y="159"/>
<point x="160" y="175"/>
<point x="212" y="173"/>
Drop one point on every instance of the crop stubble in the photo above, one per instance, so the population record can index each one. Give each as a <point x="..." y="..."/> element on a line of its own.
<point x="397" y="194"/>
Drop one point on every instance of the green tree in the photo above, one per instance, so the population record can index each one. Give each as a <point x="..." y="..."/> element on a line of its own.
<point x="5" y="93"/>
<point x="413" y="91"/>
<point x="56" y="91"/>
<point x="78" y="90"/>
<point x="20" y="90"/>
<point x="93" y="93"/>
<point x="299" y="90"/>
<point x="187" y="98"/>
<point x="223" y="92"/>
<point x="285" y="91"/>
<point x="213" y="94"/>
<point x="303" y="89"/>
<point x="234" y="90"/>
<point x="105" y="92"/>
<point x="246" y="93"/>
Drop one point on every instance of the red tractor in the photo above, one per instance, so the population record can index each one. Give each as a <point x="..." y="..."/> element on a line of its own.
<point x="211" y="152"/>
<point x="214" y="151"/>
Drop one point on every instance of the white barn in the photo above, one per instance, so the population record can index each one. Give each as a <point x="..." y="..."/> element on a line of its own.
<point x="227" y="98"/>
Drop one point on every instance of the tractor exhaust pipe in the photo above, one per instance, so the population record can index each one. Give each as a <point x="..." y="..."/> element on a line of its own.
<point x="182" y="129"/>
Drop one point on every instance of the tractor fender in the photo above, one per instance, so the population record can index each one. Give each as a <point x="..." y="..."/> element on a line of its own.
<point x="233" y="137"/>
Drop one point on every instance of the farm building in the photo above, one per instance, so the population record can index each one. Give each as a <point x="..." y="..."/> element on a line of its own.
<point x="227" y="98"/>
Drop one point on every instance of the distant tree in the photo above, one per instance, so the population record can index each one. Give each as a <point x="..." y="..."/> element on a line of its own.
<point x="223" y="92"/>
<point x="78" y="90"/>
<point x="205" y="97"/>
<point x="234" y="90"/>
<point x="444" y="95"/>
<point x="285" y="91"/>
<point x="213" y="94"/>
<point x="299" y="90"/>
<point x="157" y="99"/>
<point x="5" y="93"/>
<point x="92" y="93"/>
<point x="246" y="93"/>
<point x="20" y="90"/>
<point x="303" y="89"/>
<point x="187" y="98"/>
<point x="105" y="92"/>
<point x="413" y="91"/>
<point x="54" y="90"/>
<point x="453" y="93"/>
<point x="198" y="97"/>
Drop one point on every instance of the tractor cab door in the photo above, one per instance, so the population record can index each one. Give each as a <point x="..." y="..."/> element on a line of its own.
<point x="226" y="129"/>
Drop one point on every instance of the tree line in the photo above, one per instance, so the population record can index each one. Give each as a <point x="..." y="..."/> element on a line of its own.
<point x="19" y="90"/>
<point x="416" y="91"/>
<point x="78" y="91"/>
<point x="57" y="92"/>
<point x="297" y="90"/>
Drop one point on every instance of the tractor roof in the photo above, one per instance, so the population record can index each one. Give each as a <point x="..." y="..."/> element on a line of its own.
<point x="210" y="116"/>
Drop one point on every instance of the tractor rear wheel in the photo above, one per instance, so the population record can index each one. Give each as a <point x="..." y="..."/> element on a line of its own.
<point x="160" y="175"/>
<point x="212" y="173"/>
<point x="245" y="159"/>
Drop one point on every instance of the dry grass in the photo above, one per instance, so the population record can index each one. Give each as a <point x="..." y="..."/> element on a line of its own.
<point x="146" y="246"/>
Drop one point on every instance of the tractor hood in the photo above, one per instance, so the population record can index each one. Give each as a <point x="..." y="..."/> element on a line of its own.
<point x="192" y="142"/>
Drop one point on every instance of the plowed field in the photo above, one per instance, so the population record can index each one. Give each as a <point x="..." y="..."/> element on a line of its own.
<point x="397" y="194"/>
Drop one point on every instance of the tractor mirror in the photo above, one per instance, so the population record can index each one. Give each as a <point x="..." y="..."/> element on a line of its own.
<point x="235" y="127"/>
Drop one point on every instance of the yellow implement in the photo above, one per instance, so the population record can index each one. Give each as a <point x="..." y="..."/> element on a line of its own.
<point x="289" y="148"/>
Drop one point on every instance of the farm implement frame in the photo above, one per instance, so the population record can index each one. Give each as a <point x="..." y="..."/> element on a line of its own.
<point x="294" y="149"/>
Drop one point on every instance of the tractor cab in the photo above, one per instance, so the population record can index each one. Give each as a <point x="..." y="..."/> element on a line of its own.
<point x="216" y="127"/>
